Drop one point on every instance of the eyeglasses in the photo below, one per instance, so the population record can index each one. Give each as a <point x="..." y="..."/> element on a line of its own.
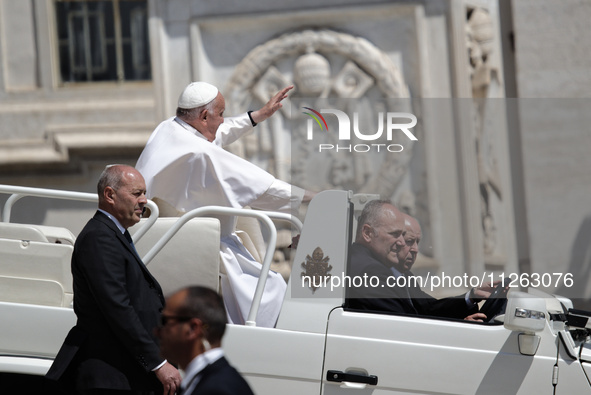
<point x="165" y="318"/>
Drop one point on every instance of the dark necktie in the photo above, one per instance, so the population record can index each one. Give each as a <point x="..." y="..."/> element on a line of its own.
<point x="129" y="239"/>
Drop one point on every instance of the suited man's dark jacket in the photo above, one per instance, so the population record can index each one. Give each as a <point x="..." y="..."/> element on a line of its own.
<point x="220" y="378"/>
<point x="117" y="303"/>
<point x="387" y="298"/>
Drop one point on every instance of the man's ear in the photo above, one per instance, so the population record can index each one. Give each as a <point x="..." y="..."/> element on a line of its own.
<point x="108" y="195"/>
<point x="195" y="328"/>
<point x="367" y="233"/>
<point x="203" y="115"/>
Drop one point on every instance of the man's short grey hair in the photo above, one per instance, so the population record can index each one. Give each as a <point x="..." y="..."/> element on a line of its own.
<point x="370" y="214"/>
<point x="110" y="177"/>
<point x="190" y="114"/>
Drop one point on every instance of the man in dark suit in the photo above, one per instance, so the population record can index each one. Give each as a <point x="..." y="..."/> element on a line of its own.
<point x="191" y="330"/>
<point x="386" y="247"/>
<point x="112" y="348"/>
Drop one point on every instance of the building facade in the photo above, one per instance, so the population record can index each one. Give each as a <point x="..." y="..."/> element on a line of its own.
<point x="83" y="84"/>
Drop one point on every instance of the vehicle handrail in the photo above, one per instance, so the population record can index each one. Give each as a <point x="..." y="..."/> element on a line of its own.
<point x="264" y="217"/>
<point x="284" y="217"/>
<point x="18" y="192"/>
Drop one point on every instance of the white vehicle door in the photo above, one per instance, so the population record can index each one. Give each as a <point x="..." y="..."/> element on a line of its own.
<point x="391" y="354"/>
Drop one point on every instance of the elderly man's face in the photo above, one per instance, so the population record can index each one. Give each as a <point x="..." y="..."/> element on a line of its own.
<point x="385" y="238"/>
<point x="127" y="202"/>
<point x="215" y="118"/>
<point x="408" y="253"/>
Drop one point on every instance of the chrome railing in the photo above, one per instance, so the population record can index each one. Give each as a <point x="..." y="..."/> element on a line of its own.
<point x="17" y="193"/>
<point x="265" y="217"/>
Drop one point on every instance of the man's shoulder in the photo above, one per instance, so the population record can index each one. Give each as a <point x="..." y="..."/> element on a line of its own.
<point x="97" y="225"/>
<point x="224" y="378"/>
<point x="167" y="122"/>
<point x="220" y="367"/>
<point x="358" y="251"/>
<point x="98" y="221"/>
<point x="362" y="261"/>
<point x="172" y="134"/>
<point x="170" y="127"/>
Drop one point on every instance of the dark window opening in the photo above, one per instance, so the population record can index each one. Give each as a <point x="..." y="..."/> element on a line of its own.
<point x="103" y="40"/>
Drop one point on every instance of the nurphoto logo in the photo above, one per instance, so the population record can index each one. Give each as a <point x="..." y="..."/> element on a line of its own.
<point x="395" y="122"/>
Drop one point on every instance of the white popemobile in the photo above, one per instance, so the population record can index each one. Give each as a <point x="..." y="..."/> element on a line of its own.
<point x="539" y="346"/>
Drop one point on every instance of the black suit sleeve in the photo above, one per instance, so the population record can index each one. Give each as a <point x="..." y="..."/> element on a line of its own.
<point x="376" y="292"/>
<point x="455" y="307"/>
<point x="386" y="296"/>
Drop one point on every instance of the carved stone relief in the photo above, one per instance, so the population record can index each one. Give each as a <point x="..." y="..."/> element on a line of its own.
<point x="329" y="69"/>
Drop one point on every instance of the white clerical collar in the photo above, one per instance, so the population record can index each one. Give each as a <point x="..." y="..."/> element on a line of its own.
<point x="189" y="128"/>
<point x="199" y="363"/>
<point x="119" y="226"/>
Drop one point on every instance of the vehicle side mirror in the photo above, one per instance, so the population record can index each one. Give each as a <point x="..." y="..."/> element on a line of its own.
<point x="526" y="314"/>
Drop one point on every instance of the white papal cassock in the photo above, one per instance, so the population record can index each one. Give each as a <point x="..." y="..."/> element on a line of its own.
<point x="181" y="167"/>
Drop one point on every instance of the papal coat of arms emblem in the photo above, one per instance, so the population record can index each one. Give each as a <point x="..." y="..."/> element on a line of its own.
<point x="316" y="269"/>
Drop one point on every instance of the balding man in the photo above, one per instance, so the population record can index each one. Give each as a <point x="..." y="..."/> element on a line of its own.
<point x="185" y="165"/>
<point x="386" y="247"/>
<point x="112" y="349"/>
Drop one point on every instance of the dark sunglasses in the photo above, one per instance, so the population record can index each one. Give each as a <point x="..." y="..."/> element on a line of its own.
<point x="165" y="318"/>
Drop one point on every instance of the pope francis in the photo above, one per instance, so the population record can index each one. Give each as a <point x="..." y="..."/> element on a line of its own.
<point x="184" y="164"/>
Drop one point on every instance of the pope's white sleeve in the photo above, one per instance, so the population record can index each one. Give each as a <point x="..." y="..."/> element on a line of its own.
<point x="280" y="196"/>
<point x="232" y="129"/>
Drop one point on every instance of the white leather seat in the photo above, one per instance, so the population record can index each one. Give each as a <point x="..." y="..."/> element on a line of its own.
<point x="192" y="257"/>
<point x="35" y="272"/>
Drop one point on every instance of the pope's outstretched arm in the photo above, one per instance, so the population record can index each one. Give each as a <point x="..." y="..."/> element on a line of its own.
<point x="234" y="128"/>
<point x="272" y="106"/>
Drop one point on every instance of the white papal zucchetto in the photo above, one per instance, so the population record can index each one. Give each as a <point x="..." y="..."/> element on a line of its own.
<point x="197" y="94"/>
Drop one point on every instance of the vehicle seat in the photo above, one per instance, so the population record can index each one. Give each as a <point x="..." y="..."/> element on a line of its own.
<point x="36" y="264"/>
<point x="191" y="257"/>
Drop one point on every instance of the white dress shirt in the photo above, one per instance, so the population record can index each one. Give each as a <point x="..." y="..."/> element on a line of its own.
<point x="200" y="362"/>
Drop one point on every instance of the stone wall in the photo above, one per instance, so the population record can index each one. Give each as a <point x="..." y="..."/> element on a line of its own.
<point x="553" y="79"/>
